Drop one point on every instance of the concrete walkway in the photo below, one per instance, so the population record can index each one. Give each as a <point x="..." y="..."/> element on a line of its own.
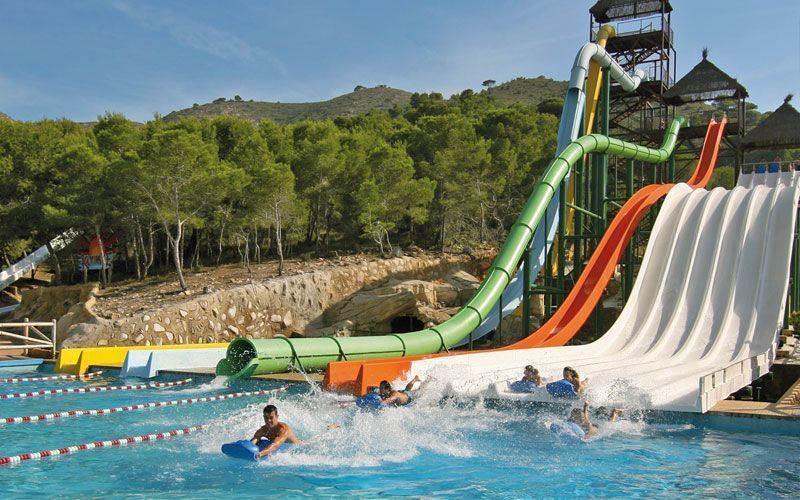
<point x="756" y="409"/>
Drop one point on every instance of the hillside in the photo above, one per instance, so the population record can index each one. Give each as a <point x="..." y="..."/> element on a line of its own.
<point x="521" y="90"/>
<point x="354" y="103"/>
<point x="528" y="90"/>
<point x="4" y="116"/>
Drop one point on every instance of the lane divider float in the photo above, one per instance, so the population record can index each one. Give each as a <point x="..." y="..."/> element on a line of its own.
<point x="54" y="377"/>
<point x="94" y="389"/>
<point x="98" y="444"/>
<point x="107" y="411"/>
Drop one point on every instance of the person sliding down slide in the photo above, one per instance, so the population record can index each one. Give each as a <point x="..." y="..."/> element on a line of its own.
<point x="273" y="436"/>
<point x="529" y="382"/>
<point x="571" y="386"/>
<point x="274" y="431"/>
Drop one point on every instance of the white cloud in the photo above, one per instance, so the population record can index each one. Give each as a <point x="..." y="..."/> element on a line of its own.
<point x="19" y="95"/>
<point x="196" y="35"/>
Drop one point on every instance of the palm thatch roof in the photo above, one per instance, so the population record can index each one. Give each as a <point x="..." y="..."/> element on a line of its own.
<point x="781" y="129"/>
<point x="607" y="10"/>
<point x="705" y="82"/>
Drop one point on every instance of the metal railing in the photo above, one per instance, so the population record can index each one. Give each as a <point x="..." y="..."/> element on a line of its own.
<point x="639" y="26"/>
<point x="770" y="166"/>
<point x="30" y="335"/>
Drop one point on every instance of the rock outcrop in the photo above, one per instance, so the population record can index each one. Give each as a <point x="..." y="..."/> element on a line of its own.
<point x="318" y="303"/>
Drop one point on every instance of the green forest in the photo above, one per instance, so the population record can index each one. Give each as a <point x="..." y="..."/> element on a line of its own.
<point x="439" y="174"/>
<point x="194" y="191"/>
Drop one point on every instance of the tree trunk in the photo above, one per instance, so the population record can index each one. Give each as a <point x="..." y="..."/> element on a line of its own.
<point x="483" y="224"/>
<point x="101" y="245"/>
<point x="136" y="255"/>
<point x="175" y="242"/>
<point x="442" y="225"/>
<point x="256" y="247"/>
<point x="221" y="233"/>
<point x="278" y="243"/>
<point x="247" y="252"/>
<point x="56" y="263"/>
<point x="147" y="256"/>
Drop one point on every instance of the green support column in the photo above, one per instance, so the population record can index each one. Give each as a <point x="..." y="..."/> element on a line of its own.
<point x="602" y="182"/>
<point x="562" y="241"/>
<point x="499" y="331"/>
<point x="577" y="252"/>
<point x="671" y="168"/>
<point x="548" y="268"/>
<point x="526" y="293"/>
<point x="627" y="284"/>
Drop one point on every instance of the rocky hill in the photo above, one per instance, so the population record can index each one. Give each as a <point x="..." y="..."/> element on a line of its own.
<point x="4" y="116"/>
<point x="528" y="90"/>
<point x="362" y="100"/>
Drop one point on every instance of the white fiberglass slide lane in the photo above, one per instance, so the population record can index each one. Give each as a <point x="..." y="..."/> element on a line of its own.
<point x="703" y="314"/>
<point x="147" y="363"/>
<point x="25" y="265"/>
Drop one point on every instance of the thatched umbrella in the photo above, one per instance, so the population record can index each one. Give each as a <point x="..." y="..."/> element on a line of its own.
<point x="781" y="129"/>
<point x="705" y="82"/>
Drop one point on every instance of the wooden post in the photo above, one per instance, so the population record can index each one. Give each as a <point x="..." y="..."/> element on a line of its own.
<point x="25" y="333"/>
<point x="55" y="329"/>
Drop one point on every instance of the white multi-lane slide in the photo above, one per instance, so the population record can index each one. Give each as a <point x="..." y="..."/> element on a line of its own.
<point x="702" y="318"/>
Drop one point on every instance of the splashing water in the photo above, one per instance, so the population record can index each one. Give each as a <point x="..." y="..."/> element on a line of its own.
<point x="441" y="445"/>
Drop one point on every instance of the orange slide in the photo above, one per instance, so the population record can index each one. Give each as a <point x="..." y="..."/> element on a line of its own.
<point x="358" y="376"/>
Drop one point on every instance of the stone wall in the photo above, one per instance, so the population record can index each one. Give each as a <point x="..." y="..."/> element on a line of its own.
<point x="291" y="305"/>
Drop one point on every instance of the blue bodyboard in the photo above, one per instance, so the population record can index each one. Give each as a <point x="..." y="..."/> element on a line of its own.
<point x="569" y="430"/>
<point x="523" y="386"/>
<point x="561" y="389"/>
<point x="371" y="401"/>
<point x="246" y="450"/>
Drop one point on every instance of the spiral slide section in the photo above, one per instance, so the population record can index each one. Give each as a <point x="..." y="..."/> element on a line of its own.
<point x="703" y="316"/>
<point x="578" y="305"/>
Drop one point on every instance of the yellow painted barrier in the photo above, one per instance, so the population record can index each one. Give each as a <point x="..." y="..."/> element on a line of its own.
<point x="78" y="360"/>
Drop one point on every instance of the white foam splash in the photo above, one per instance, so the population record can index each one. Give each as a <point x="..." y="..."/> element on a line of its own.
<point x="340" y="435"/>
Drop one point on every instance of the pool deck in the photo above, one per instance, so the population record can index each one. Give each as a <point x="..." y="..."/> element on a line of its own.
<point x="756" y="409"/>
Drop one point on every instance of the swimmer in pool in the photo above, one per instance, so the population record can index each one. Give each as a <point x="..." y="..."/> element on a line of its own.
<point x="581" y="417"/>
<point x="390" y="397"/>
<point x="274" y="430"/>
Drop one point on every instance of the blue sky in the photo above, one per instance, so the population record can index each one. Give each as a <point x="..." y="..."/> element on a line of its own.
<point x="77" y="59"/>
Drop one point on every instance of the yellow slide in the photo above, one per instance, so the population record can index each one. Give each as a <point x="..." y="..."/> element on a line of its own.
<point x="593" y="84"/>
<point x="78" y="360"/>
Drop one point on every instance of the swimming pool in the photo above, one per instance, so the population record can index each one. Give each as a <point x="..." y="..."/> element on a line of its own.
<point x="434" y="448"/>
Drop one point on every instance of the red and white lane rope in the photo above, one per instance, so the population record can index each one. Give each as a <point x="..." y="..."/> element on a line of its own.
<point x="107" y="411"/>
<point x="98" y="444"/>
<point x="54" y="377"/>
<point x="94" y="389"/>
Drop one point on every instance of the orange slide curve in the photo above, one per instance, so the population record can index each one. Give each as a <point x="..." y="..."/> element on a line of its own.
<point x="358" y="376"/>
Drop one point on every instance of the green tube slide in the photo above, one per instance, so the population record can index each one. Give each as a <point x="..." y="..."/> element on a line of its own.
<point x="247" y="357"/>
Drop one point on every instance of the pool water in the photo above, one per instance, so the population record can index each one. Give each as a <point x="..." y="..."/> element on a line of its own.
<point x="434" y="448"/>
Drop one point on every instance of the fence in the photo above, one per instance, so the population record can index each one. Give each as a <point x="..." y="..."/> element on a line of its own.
<point x="30" y="335"/>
